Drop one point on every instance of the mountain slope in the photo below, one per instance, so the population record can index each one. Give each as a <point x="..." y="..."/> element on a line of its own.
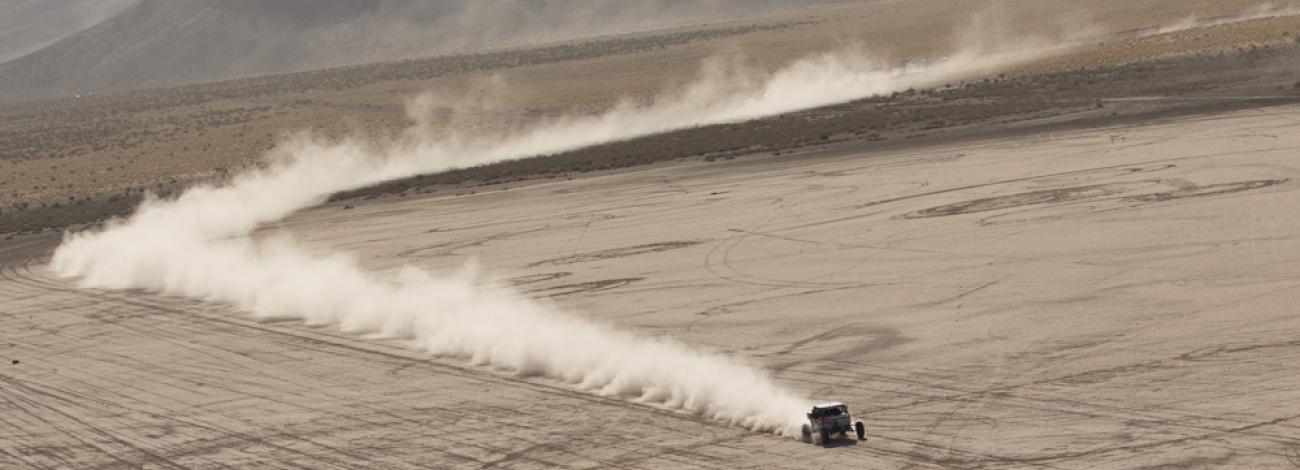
<point x="28" y="25"/>
<point x="167" y="42"/>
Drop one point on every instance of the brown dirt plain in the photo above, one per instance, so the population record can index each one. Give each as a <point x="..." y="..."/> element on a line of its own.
<point x="1096" y="266"/>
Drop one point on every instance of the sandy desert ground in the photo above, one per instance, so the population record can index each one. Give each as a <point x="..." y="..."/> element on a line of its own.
<point x="1104" y="278"/>
<point x="1117" y="297"/>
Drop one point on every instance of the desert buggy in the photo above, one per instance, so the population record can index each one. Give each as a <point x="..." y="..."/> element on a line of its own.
<point x="830" y="420"/>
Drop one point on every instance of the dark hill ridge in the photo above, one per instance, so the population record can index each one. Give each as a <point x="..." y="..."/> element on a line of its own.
<point x="169" y="42"/>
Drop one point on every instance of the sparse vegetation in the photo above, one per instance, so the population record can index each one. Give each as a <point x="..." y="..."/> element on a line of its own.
<point x="899" y="116"/>
<point x="351" y="77"/>
<point x="125" y="144"/>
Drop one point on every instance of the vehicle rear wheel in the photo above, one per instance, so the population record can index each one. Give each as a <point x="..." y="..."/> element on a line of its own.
<point x="861" y="429"/>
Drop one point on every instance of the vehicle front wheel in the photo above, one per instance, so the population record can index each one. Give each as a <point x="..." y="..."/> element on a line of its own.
<point x="826" y="437"/>
<point x="806" y="432"/>
<point x="861" y="429"/>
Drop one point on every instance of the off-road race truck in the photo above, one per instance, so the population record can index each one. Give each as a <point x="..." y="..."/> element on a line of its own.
<point x="829" y="420"/>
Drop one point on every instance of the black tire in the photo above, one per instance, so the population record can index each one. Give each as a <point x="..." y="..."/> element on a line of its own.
<point x="807" y="433"/>
<point x="861" y="429"/>
<point x="826" y="438"/>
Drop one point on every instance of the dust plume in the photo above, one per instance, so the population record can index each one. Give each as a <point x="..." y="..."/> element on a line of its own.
<point x="201" y="244"/>
<point x="1193" y="22"/>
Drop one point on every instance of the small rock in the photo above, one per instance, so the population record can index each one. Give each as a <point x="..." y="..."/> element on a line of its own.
<point x="15" y="362"/>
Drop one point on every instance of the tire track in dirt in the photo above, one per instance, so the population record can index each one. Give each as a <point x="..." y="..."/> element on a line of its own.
<point x="1121" y="169"/>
